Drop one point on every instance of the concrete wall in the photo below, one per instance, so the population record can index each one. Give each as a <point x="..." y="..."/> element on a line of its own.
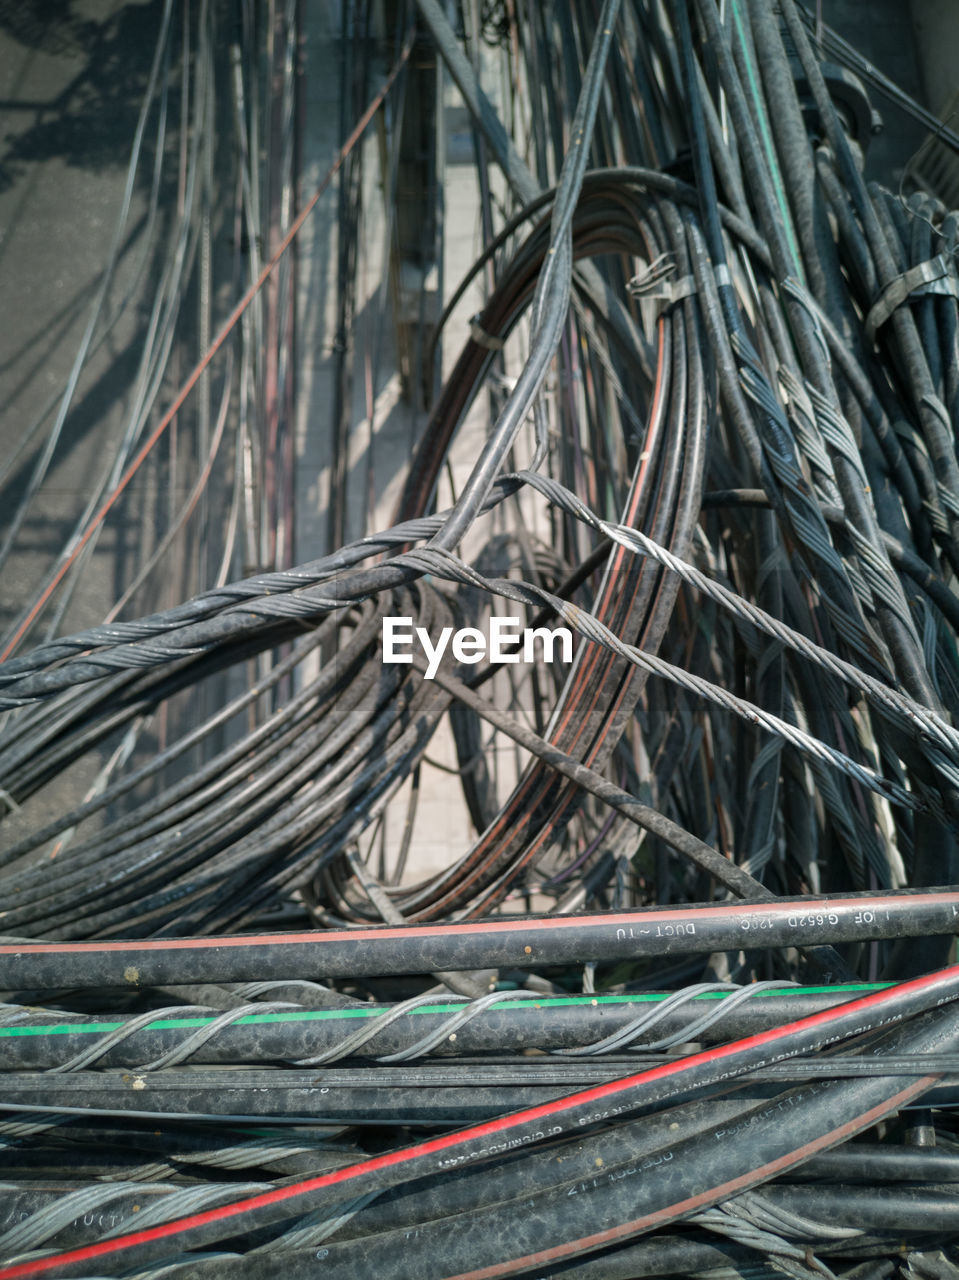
<point x="936" y="24"/>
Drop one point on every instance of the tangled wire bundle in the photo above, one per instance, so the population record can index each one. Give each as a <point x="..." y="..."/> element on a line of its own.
<point x="684" y="1004"/>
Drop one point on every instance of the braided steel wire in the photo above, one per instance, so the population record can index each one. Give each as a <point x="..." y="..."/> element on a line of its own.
<point x="625" y="1036"/>
<point x="165" y="1203"/>
<point x="221" y="599"/>
<point x="87" y="1057"/>
<point x="754" y="1207"/>
<point x="181" y="1052"/>
<point x="933" y="731"/>
<point x="362" y="1041"/>
<point x="905" y="711"/>
<point x="36" y="1229"/>
<point x="442" y="565"/>
<point x="790" y="1258"/>
<point x="312" y="1229"/>
<point x="305" y="603"/>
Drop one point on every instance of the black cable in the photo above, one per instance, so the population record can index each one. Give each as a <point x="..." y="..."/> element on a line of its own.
<point x="35" y="1039"/>
<point x="520" y="942"/>
<point x="604" y="1103"/>
<point x="626" y="1196"/>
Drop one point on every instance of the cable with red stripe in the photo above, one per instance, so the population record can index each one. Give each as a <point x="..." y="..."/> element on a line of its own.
<point x="600" y="1104"/>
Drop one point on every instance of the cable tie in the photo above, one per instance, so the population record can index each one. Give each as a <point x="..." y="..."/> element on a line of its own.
<point x="672" y="291"/>
<point x="932" y="276"/>
<point x="680" y="289"/>
<point x="651" y="278"/>
<point x="481" y="337"/>
<point x="654" y="281"/>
